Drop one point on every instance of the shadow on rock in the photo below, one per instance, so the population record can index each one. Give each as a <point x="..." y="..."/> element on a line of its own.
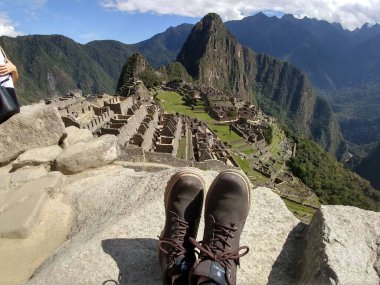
<point x="286" y="268"/>
<point x="137" y="260"/>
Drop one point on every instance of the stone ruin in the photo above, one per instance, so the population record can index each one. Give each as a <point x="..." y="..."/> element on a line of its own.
<point x="135" y="88"/>
<point x="144" y="137"/>
<point x="168" y="134"/>
<point x="250" y="132"/>
<point x="207" y="146"/>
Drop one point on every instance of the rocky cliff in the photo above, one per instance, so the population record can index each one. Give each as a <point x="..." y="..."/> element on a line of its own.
<point x="215" y="58"/>
<point x="83" y="227"/>
<point x="369" y="168"/>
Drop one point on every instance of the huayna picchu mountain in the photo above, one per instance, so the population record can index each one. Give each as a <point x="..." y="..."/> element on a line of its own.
<point x="213" y="56"/>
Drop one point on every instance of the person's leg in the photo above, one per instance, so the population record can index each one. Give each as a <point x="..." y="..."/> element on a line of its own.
<point x="183" y="207"/>
<point x="226" y="209"/>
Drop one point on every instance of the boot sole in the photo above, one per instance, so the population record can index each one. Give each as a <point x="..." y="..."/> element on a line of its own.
<point x="241" y="175"/>
<point x="174" y="179"/>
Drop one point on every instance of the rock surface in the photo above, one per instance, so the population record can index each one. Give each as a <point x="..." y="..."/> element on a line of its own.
<point x="20" y="209"/>
<point x="35" y="126"/>
<point x="75" y="135"/>
<point x="5" y="177"/>
<point x="84" y="155"/>
<point x="342" y="247"/>
<point x="20" y="257"/>
<point x="115" y="233"/>
<point x="38" y="156"/>
<point x="25" y="174"/>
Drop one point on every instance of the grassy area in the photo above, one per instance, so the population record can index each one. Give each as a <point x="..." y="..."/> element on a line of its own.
<point x="172" y="103"/>
<point x="278" y="136"/>
<point x="227" y="135"/>
<point x="302" y="212"/>
<point x="181" y="152"/>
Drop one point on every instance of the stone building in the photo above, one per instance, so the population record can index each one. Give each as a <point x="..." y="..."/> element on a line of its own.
<point x="168" y="134"/>
<point x="207" y="146"/>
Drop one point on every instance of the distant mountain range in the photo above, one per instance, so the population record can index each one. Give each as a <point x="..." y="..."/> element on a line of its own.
<point x="51" y="65"/>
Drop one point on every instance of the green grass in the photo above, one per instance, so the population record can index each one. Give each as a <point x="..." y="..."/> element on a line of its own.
<point x="302" y="212"/>
<point x="181" y="152"/>
<point x="248" y="151"/>
<point x="244" y="164"/>
<point x="225" y="135"/>
<point x="172" y="103"/>
<point x="278" y="136"/>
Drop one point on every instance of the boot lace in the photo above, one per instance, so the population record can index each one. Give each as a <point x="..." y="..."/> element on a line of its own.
<point x="176" y="242"/>
<point x="215" y="250"/>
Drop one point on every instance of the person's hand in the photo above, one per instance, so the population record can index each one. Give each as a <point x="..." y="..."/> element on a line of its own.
<point x="7" y="68"/>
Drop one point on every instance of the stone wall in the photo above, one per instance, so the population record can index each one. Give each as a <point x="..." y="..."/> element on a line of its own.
<point x="149" y="133"/>
<point x="132" y="125"/>
<point x="135" y="154"/>
<point x="177" y="137"/>
<point x="98" y="121"/>
<point x="119" y="105"/>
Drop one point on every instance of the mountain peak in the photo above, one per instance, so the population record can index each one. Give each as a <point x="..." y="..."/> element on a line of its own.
<point x="210" y="21"/>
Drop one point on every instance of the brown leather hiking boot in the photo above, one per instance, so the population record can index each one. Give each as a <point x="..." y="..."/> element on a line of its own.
<point x="183" y="207"/>
<point x="226" y="209"/>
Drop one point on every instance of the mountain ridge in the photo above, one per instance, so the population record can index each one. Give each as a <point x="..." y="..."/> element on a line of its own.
<point x="213" y="56"/>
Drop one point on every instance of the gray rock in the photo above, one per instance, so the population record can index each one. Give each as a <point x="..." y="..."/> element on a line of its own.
<point x="84" y="155"/>
<point x="75" y="135"/>
<point x="38" y="156"/>
<point x="35" y="126"/>
<point x="5" y="178"/>
<point x="273" y="235"/>
<point x="342" y="247"/>
<point x="27" y="173"/>
<point x="21" y="208"/>
<point x="118" y="220"/>
<point x="20" y="220"/>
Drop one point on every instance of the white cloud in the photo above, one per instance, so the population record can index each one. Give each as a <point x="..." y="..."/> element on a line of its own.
<point x="350" y="13"/>
<point x="7" y="28"/>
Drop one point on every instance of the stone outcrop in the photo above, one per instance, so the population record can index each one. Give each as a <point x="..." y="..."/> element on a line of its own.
<point x="84" y="155"/>
<point x="342" y="247"/>
<point x="25" y="174"/>
<point x="111" y="242"/>
<point x="5" y="177"/>
<point x="75" y="135"/>
<point x="35" y="126"/>
<point x="38" y="156"/>
<point x="20" y="209"/>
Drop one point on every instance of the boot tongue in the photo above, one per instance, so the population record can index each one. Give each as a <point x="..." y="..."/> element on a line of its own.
<point x="180" y="266"/>
<point x="211" y="270"/>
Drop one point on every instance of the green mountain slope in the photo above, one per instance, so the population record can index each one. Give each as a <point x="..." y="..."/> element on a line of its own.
<point x="50" y="65"/>
<point x="214" y="57"/>
<point x="332" y="183"/>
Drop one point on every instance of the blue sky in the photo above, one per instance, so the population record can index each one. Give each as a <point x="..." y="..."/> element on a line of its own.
<point x="86" y="20"/>
<point x="131" y="21"/>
